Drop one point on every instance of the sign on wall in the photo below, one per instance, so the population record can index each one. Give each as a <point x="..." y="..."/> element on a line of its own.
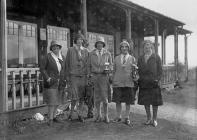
<point x="109" y="41"/>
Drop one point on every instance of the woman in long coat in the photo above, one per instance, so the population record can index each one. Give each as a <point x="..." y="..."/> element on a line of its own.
<point x="123" y="81"/>
<point x="52" y="70"/>
<point x="99" y="59"/>
<point x="76" y="74"/>
<point x="150" y="72"/>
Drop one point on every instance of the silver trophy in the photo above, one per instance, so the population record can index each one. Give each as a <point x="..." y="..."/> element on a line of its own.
<point x="106" y="65"/>
<point x="134" y="72"/>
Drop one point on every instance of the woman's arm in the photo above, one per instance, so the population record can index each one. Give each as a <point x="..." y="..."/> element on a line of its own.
<point x="43" y="67"/>
<point x="159" y="68"/>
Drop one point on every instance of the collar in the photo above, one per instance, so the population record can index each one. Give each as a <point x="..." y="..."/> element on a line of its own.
<point x="100" y="50"/>
<point x="56" y="57"/>
<point x="126" y="56"/>
<point x="78" y="48"/>
<point x="148" y="55"/>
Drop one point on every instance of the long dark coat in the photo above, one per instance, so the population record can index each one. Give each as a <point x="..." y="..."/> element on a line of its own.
<point x="48" y="68"/>
<point x="149" y="76"/>
<point x="53" y="93"/>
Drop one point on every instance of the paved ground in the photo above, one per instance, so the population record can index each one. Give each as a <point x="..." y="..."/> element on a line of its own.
<point x="177" y="121"/>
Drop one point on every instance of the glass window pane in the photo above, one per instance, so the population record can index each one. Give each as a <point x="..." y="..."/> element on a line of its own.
<point x="12" y="50"/>
<point x="10" y="31"/>
<point x="15" y="26"/>
<point x="33" y="33"/>
<point x="29" y="50"/>
<point x="10" y="24"/>
<point x="28" y="27"/>
<point x="29" y="33"/>
<point x="15" y="31"/>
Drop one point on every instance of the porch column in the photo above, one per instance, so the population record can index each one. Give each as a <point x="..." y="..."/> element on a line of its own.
<point x="156" y="34"/>
<point x="186" y="58"/>
<point x="163" y="45"/>
<point x="128" y="24"/>
<point x="84" y="18"/>
<point x="3" y="59"/>
<point x="176" y="51"/>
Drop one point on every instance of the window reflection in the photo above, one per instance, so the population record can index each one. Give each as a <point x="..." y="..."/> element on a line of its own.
<point x="22" y="44"/>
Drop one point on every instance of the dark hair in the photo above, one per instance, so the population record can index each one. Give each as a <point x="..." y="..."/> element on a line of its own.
<point x="53" y="46"/>
<point x="77" y="36"/>
<point x="97" y="43"/>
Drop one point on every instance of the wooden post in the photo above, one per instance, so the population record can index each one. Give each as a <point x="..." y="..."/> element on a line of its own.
<point x="84" y="18"/>
<point x="163" y="50"/>
<point x="156" y="35"/>
<point x="21" y="90"/>
<point x="186" y="58"/>
<point x="176" y="51"/>
<point x="13" y="90"/>
<point x="117" y="43"/>
<point x="128" y="24"/>
<point x="3" y="59"/>
<point x="37" y="89"/>
<point x="29" y="88"/>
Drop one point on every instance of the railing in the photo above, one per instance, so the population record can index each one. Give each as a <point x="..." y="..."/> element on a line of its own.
<point x="168" y="76"/>
<point x="24" y="88"/>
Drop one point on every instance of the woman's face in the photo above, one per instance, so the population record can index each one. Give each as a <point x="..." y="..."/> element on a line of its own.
<point x="56" y="49"/>
<point x="79" y="42"/>
<point x="124" y="49"/>
<point x="99" y="45"/>
<point x="148" y="48"/>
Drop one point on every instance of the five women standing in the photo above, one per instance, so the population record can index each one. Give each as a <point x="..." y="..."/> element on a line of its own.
<point x="80" y="64"/>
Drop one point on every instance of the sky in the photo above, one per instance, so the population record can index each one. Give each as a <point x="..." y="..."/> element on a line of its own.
<point x="184" y="11"/>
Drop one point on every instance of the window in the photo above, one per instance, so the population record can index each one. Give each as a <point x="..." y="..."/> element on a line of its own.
<point x="22" y="44"/>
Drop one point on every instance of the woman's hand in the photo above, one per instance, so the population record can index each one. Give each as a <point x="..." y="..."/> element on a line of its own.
<point x="49" y="79"/>
<point x="136" y="78"/>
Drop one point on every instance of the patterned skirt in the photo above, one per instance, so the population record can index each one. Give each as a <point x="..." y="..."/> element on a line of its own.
<point x="150" y="96"/>
<point x="76" y="90"/>
<point x="101" y="87"/>
<point x="53" y="96"/>
<point x="123" y="95"/>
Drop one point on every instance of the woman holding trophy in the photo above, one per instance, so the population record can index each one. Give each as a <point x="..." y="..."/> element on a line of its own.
<point x="123" y="81"/>
<point x="100" y="62"/>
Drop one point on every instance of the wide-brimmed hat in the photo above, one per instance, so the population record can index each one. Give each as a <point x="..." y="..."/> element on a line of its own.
<point x="100" y="39"/>
<point x="125" y="42"/>
<point x="53" y="43"/>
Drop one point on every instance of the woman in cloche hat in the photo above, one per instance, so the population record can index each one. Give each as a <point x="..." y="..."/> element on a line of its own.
<point x="100" y="62"/>
<point x="52" y="70"/>
<point x="123" y="81"/>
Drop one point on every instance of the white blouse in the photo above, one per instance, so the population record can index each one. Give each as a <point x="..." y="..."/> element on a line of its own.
<point x="55" y="57"/>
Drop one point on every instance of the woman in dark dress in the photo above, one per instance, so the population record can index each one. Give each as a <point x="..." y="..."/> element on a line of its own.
<point x="52" y="70"/>
<point x="150" y="71"/>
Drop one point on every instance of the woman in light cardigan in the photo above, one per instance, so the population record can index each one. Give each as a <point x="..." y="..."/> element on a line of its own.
<point x="123" y="84"/>
<point x="100" y="77"/>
